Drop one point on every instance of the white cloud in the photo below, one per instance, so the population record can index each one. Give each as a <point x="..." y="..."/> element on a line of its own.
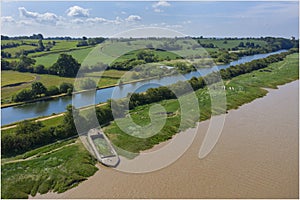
<point x="133" y="18"/>
<point x="44" y="17"/>
<point x="76" y="11"/>
<point x="7" y="19"/>
<point x="101" y="20"/>
<point x="161" y="3"/>
<point x="77" y="21"/>
<point x="96" y="20"/>
<point x="118" y="20"/>
<point x="158" y="5"/>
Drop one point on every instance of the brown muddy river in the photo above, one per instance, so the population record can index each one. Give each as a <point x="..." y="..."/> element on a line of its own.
<point x="255" y="157"/>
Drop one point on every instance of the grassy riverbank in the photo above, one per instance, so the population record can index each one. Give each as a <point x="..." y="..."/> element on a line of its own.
<point x="62" y="169"/>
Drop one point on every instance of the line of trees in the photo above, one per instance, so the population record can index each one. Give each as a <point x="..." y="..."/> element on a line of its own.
<point x="90" y="41"/>
<point x="38" y="90"/>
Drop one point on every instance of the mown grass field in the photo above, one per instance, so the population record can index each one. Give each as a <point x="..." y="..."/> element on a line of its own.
<point x="61" y="166"/>
<point x="50" y="59"/>
<point x="18" y="49"/>
<point x="47" y="80"/>
<point x="12" y="77"/>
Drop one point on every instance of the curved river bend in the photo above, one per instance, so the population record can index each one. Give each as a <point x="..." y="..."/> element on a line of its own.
<point x="44" y="108"/>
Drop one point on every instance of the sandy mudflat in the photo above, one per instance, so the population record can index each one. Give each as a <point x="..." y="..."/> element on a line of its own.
<point x="255" y="157"/>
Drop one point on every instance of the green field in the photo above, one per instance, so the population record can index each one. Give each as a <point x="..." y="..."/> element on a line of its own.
<point x="231" y="43"/>
<point x="18" y="49"/>
<point x="12" y="77"/>
<point x="50" y="59"/>
<point x="61" y="166"/>
<point x="15" y="77"/>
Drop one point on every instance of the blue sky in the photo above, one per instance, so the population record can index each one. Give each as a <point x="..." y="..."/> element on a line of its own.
<point x="96" y="18"/>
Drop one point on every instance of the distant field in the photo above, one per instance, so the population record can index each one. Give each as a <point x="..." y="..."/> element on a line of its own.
<point x="63" y="44"/>
<point x="12" y="77"/>
<point x="159" y="54"/>
<point x="18" y="49"/>
<point x="231" y="43"/>
<point x="111" y="50"/>
<point x="50" y="59"/>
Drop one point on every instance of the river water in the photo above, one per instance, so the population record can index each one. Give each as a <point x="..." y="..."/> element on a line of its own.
<point x="48" y="107"/>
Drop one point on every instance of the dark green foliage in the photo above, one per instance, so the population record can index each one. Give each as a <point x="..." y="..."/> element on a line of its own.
<point x="41" y="46"/>
<point x="37" y="88"/>
<point x="29" y="135"/>
<point x="52" y="90"/>
<point x="5" y="54"/>
<point x="40" y="69"/>
<point x="104" y="114"/>
<point x="65" y="66"/>
<point x="4" y="64"/>
<point x="25" y="64"/>
<point x="23" y="95"/>
<point x="27" y="127"/>
<point x="63" y="88"/>
<point x="82" y="43"/>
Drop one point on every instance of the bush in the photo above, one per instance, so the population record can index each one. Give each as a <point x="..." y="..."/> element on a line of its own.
<point x="63" y="88"/>
<point x="23" y="95"/>
<point x="52" y="90"/>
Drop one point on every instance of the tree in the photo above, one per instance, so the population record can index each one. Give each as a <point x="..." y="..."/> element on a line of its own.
<point x="23" y="95"/>
<point x="82" y="43"/>
<point x="5" y="65"/>
<point x="38" y="88"/>
<point x="24" y="64"/>
<point x="70" y="117"/>
<point x="64" y="87"/>
<point x="41" y="46"/>
<point x="241" y="44"/>
<point x="52" y="90"/>
<point x="40" y="69"/>
<point x="65" y="66"/>
<point x="27" y="127"/>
